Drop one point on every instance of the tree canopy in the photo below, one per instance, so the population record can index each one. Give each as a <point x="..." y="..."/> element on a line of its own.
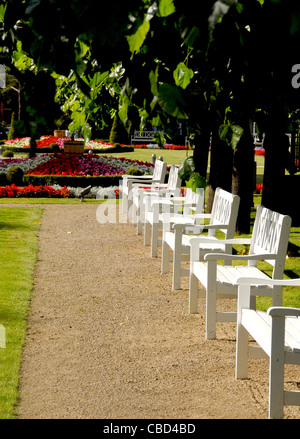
<point x="212" y="66"/>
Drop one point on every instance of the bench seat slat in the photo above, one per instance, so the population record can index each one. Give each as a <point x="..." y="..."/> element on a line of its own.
<point x="292" y="326"/>
<point x="258" y="324"/>
<point x="210" y="247"/>
<point x="258" y="328"/>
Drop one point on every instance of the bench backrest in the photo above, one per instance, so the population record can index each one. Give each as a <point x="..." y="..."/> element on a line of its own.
<point x="174" y="182"/>
<point x="270" y="235"/>
<point x="159" y="172"/>
<point x="193" y="198"/>
<point x="224" y="211"/>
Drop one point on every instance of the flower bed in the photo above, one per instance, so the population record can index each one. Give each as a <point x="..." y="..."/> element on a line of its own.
<point x="44" y="143"/>
<point x="75" y="165"/>
<point x="73" y="169"/>
<point x="24" y="163"/>
<point x="90" y="165"/>
<point x="258" y="190"/>
<point x="259" y="151"/>
<point x="31" y="191"/>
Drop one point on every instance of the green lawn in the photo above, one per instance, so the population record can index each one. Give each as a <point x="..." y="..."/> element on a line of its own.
<point x="18" y="249"/>
<point x="172" y="157"/>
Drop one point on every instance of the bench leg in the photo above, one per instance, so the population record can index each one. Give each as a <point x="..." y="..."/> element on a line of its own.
<point x="154" y="239"/>
<point x="147" y="233"/>
<point x="131" y="212"/>
<point x="193" y="293"/>
<point x="165" y="257"/>
<point x="139" y="216"/>
<point x="124" y="203"/>
<point x="211" y="300"/>
<point x="193" y="281"/>
<point x="177" y="260"/>
<point x="242" y="338"/>
<point x="139" y="227"/>
<point x="241" y="370"/>
<point x="276" y="371"/>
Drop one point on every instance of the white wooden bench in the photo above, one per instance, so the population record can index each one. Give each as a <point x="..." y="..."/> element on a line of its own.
<point x="179" y="209"/>
<point x="143" y="136"/>
<point x="143" y="199"/>
<point x="158" y="176"/>
<point x="222" y="217"/>
<point x="277" y="332"/>
<point x="268" y="243"/>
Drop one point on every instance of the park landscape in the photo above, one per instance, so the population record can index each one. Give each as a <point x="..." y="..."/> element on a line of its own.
<point x="78" y="295"/>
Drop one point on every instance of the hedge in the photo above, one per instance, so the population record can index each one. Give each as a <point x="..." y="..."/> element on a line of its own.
<point x="46" y="149"/>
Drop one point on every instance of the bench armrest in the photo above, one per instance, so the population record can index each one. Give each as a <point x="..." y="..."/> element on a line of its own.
<point x="198" y="228"/>
<point x="233" y="241"/>
<point x="275" y="311"/>
<point x="221" y="256"/>
<point x="203" y="215"/>
<point x="270" y="281"/>
<point x="172" y="218"/>
<point x="136" y="177"/>
<point x="140" y="183"/>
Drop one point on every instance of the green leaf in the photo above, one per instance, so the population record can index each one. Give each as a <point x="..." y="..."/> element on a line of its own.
<point x="171" y="101"/>
<point x="123" y="108"/>
<point x="160" y="139"/>
<point x="32" y="4"/>
<point x="192" y="37"/>
<point x="225" y="132"/>
<point x="78" y="121"/>
<point x="237" y="133"/>
<point x="166" y="7"/>
<point x="196" y="182"/>
<point x="136" y="40"/>
<point x="2" y="12"/>
<point x="182" y="75"/>
<point x="86" y="132"/>
<point x="21" y="60"/>
<point x="231" y="134"/>
<point x="186" y="168"/>
<point x="153" y="75"/>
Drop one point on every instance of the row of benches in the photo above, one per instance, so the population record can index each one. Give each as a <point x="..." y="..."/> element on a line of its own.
<point x="181" y="223"/>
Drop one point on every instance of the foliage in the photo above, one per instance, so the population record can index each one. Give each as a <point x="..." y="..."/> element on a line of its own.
<point x="54" y="147"/>
<point x="7" y="153"/>
<point x="11" y="133"/>
<point x="117" y="133"/>
<point x="197" y="68"/>
<point x="160" y="139"/>
<point x="186" y="168"/>
<point x="133" y="171"/>
<point x="187" y="172"/>
<point x="196" y="181"/>
<point x="14" y="175"/>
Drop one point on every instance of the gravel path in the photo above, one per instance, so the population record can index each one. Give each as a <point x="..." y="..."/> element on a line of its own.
<point x="108" y="339"/>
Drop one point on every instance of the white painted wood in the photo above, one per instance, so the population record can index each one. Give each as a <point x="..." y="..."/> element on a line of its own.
<point x="169" y="210"/>
<point x="144" y="202"/>
<point x="277" y="332"/>
<point x="269" y="242"/>
<point x="133" y="184"/>
<point x="179" y="240"/>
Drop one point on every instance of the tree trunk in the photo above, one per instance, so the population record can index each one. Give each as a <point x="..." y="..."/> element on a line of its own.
<point x="201" y="151"/>
<point x="242" y="179"/>
<point x="276" y="156"/>
<point x="220" y="168"/>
